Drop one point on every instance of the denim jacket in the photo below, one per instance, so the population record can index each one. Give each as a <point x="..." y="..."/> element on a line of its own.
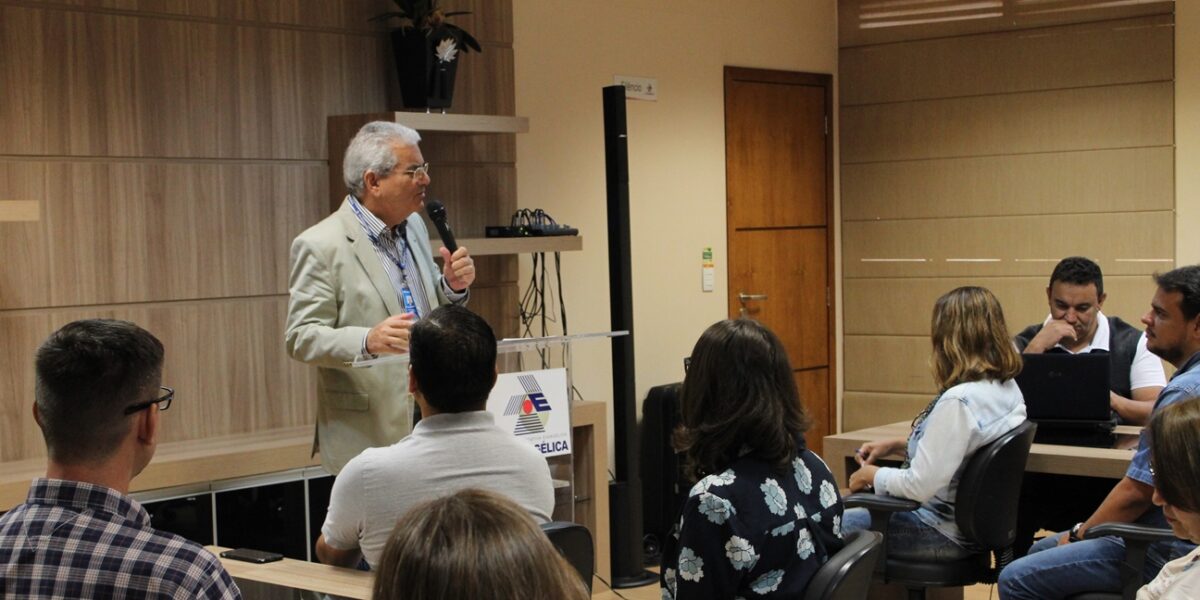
<point x="965" y="418"/>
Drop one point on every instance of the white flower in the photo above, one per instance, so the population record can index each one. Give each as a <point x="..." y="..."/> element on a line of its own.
<point x="446" y="50"/>
<point x="803" y="475"/>
<point x="774" y="496"/>
<point x="767" y="582"/>
<point x="702" y="486"/>
<point x="800" y="514"/>
<point x="716" y="508"/>
<point x="837" y="525"/>
<point x="828" y="494"/>
<point x="784" y="529"/>
<point x="741" y="553"/>
<point x="691" y="567"/>
<point x="804" y="545"/>
<point x="668" y="584"/>
<point x="816" y="518"/>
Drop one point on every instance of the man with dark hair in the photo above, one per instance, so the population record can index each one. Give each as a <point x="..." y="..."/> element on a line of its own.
<point x="1076" y="325"/>
<point x="1065" y="564"/>
<point x="455" y="445"/>
<point x="78" y="534"/>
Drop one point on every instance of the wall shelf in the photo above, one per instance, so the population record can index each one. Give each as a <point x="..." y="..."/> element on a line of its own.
<point x="441" y="123"/>
<point x="521" y="245"/>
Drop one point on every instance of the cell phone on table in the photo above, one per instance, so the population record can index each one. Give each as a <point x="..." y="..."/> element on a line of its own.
<point x="254" y="556"/>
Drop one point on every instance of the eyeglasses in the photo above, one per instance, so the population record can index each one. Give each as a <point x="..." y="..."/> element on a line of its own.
<point x="419" y="171"/>
<point x="163" y="401"/>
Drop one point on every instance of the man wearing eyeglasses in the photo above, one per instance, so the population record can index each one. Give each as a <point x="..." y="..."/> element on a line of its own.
<point x="78" y="534"/>
<point x="359" y="280"/>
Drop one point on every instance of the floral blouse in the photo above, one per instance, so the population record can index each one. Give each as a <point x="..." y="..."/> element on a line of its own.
<point x="754" y="532"/>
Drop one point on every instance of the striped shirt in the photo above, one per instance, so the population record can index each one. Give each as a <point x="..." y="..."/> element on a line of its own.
<point x="78" y="540"/>
<point x="392" y="247"/>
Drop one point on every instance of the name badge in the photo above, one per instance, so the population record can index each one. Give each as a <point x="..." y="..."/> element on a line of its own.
<point x="410" y="305"/>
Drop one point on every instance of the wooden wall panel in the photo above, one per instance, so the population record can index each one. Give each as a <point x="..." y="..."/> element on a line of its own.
<point x="1127" y="243"/>
<point x="982" y="148"/>
<point x="866" y="22"/>
<point x="174" y="150"/>
<point x="1119" y="180"/>
<point x="910" y="300"/>
<point x="891" y="364"/>
<point x="1078" y="119"/>
<point x="150" y="231"/>
<point x="868" y="409"/>
<point x="231" y="378"/>
<point x="206" y="90"/>
<point x="1084" y="55"/>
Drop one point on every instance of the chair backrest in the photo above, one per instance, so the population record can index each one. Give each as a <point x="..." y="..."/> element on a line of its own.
<point x="574" y="541"/>
<point x="847" y="574"/>
<point x="985" y="505"/>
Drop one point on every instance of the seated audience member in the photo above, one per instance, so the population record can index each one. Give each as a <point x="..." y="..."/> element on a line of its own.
<point x="1175" y="450"/>
<point x="78" y="534"/>
<point x="1065" y="564"/>
<point x="472" y="544"/>
<point x="974" y="363"/>
<point x="765" y="513"/>
<point x="1076" y="325"/>
<point x="456" y="445"/>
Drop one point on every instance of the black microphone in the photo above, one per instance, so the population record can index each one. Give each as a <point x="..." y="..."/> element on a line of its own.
<point x="437" y="213"/>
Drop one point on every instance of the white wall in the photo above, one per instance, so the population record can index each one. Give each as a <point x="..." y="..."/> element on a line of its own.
<point x="566" y="50"/>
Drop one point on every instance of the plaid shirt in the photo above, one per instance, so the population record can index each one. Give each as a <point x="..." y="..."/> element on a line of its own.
<point x="77" y="540"/>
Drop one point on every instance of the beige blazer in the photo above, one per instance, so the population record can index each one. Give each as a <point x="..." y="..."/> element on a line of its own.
<point x="339" y="290"/>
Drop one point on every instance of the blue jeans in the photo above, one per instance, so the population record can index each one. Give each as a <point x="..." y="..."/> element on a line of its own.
<point x="907" y="536"/>
<point x="1050" y="571"/>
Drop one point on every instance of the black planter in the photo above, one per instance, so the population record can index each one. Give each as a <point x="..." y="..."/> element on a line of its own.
<point x="425" y="80"/>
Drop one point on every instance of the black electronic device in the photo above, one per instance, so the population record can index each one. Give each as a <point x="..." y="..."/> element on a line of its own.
<point x="664" y="488"/>
<point x="1067" y="395"/>
<point x="514" y="231"/>
<point x="437" y="214"/>
<point x="1061" y="387"/>
<point x="253" y="556"/>
<point x="625" y="491"/>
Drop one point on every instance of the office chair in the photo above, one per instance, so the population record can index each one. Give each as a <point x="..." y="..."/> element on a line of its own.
<point x="1137" y="540"/>
<point x="574" y="542"/>
<point x="847" y="574"/>
<point x="985" y="511"/>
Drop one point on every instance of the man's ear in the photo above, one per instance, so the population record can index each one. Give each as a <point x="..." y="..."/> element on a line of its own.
<point x="370" y="180"/>
<point x="37" y="416"/>
<point x="1100" y="300"/>
<point x="147" y="426"/>
<point x="413" y="388"/>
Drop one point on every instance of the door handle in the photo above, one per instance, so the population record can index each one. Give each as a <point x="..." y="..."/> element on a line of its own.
<point x="744" y="297"/>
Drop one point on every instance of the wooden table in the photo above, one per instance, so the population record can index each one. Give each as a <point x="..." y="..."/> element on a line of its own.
<point x="276" y="579"/>
<point x="1043" y="458"/>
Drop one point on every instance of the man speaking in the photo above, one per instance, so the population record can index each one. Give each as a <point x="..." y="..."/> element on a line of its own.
<point x="359" y="280"/>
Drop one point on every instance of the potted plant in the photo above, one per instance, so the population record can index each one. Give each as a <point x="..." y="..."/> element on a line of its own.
<point x="427" y="47"/>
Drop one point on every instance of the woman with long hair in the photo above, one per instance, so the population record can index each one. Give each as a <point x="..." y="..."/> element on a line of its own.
<point x="974" y="362"/>
<point x="764" y="513"/>
<point x="1175" y="452"/>
<point x="472" y="544"/>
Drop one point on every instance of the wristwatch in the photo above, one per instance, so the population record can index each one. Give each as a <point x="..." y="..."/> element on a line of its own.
<point x="1073" y="535"/>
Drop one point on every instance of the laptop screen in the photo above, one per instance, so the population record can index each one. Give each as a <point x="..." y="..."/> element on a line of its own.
<point x="1065" y="387"/>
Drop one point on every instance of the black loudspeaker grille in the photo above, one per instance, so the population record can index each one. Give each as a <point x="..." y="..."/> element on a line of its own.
<point x="664" y="487"/>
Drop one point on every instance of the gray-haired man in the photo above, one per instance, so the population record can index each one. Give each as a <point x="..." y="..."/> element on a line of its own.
<point x="359" y="280"/>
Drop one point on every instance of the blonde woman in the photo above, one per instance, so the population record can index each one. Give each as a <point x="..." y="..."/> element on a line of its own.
<point x="974" y="362"/>
<point x="473" y="544"/>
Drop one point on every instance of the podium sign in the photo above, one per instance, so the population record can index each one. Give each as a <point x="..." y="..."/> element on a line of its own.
<point x="535" y="407"/>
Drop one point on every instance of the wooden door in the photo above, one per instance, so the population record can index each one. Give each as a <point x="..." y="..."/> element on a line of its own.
<point x="779" y="204"/>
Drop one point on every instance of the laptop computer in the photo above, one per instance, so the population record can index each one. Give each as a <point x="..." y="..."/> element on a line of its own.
<point x="1066" y="389"/>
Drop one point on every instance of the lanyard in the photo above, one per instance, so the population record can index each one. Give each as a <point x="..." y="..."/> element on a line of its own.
<point x="401" y="261"/>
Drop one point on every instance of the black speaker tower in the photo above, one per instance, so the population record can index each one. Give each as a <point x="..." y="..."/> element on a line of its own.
<point x="625" y="505"/>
